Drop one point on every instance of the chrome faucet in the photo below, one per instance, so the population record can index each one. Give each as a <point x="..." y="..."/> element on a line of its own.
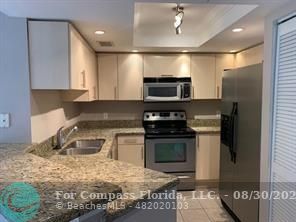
<point x="60" y="140"/>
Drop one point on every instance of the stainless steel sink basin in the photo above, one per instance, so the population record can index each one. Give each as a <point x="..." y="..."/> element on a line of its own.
<point x="87" y="143"/>
<point x="83" y="147"/>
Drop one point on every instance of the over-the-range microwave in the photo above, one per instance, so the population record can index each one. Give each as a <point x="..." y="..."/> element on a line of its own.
<point x="167" y="89"/>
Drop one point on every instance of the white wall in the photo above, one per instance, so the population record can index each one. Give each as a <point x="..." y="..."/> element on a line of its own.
<point x="267" y="95"/>
<point x="249" y="57"/>
<point x="49" y="113"/>
<point x="14" y="79"/>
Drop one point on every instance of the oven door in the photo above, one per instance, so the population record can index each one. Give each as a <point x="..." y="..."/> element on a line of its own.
<point x="155" y="92"/>
<point x="170" y="154"/>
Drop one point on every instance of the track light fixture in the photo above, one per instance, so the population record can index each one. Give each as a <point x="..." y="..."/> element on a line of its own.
<point x="178" y="19"/>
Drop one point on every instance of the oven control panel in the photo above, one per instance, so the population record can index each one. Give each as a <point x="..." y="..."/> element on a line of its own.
<point x="164" y="115"/>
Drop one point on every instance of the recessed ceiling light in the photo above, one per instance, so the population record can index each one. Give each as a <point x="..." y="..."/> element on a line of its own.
<point x="237" y="30"/>
<point x="184" y="51"/>
<point x="135" y="50"/>
<point x="99" y="32"/>
<point x="232" y="51"/>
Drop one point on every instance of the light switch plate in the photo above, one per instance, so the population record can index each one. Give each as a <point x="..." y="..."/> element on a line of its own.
<point x="4" y="120"/>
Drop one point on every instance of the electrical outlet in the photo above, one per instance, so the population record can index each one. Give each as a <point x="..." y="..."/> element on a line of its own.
<point x="4" y="120"/>
<point x="105" y="115"/>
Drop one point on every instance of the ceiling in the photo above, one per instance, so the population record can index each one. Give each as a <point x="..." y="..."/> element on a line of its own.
<point x="136" y="24"/>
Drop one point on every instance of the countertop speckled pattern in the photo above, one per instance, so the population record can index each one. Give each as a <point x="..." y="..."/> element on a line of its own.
<point x="206" y="129"/>
<point x="95" y="173"/>
<point x="48" y="177"/>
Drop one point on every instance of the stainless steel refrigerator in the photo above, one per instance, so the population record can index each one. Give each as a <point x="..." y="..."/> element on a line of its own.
<point x="240" y="141"/>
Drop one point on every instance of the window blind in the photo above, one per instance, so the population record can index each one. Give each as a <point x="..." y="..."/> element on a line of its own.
<point x="283" y="170"/>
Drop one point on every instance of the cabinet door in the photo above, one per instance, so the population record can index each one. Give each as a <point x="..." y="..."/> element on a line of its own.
<point x="90" y="93"/>
<point x="167" y="66"/>
<point x="223" y="61"/>
<point x="208" y="157"/>
<point x="107" y="66"/>
<point x="91" y="74"/>
<point x="49" y="55"/>
<point x="130" y="77"/>
<point x="203" y="77"/>
<point x="78" y="73"/>
<point x="133" y="154"/>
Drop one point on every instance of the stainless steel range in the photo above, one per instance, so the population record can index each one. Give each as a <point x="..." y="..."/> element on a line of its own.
<point x="170" y="145"/>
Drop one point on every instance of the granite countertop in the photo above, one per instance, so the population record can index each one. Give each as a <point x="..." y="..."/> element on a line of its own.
<point x="48" y="177"/>
<point x="206" y="129"/>
<point x="95" y="173"/>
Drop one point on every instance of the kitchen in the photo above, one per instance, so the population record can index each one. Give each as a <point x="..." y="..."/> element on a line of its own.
<point x="116" y="107"/>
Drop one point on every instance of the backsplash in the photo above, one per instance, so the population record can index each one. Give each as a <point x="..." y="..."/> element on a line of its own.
<point x="127" y="110"/>
<point x="110" y="124"/>
<point x="46" y="148"/>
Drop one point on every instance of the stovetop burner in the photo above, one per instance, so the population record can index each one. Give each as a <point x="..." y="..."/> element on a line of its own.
<point x="166" y="123"/>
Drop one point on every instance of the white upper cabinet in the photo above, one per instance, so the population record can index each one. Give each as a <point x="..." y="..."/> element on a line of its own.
<point x="107" y="66"/>
<point x="49" y="55"/>
<point x="130" y="77"/>
<point x="57" y="58"/>
<point x="89" y="79"/>
<point x="77" y="60"/>
<point x="223" y="61"/>
<point x="203" y="76"/>
<point x="167" y="65"/>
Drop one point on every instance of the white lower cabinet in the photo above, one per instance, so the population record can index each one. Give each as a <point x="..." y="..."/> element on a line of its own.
<point x="131" y="149"/>
<point x="207" y="157"/>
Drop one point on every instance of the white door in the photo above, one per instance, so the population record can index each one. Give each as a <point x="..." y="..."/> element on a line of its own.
<point x="223" y="61"/>
<point x="283" y="167"/>
<point x="133" y="154"/>
<point x="130" y="77"/>
<point x="107" y="66"/>
<point x="166" y="66"/>
<point x="91" y="73"/>
<point x="208" y="157"/>
<point x="203" y="77"/>
<point x="78" y="73"/>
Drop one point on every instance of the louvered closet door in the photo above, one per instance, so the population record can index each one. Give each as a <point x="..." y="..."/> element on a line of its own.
<point x="283" y="170"/>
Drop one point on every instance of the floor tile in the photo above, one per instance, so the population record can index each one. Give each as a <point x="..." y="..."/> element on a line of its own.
<point x="189" y="203"/>
<point x="186" y="193"/>
<point x="210" y="203"/>
<point x="218" y="215"/>
<point x="195" y="215"/>
<point x="179" y="216"/>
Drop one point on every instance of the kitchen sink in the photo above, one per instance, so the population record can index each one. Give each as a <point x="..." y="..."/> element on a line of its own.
<point x="83" y="147"/>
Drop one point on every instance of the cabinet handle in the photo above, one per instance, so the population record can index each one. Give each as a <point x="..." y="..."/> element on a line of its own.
<point x="83" y="79"/>
<point x="115" y="91"/>
<point x="218" y="92"/>
<point x="192" y="92"/>
<point x="141" y="93"/>
<point x="166" y="75"/>
<point x="95" y="92"/>
<point x="142" y="152"/>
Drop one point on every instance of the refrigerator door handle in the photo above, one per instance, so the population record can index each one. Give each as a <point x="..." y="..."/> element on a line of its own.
<point x="233" y="122"/>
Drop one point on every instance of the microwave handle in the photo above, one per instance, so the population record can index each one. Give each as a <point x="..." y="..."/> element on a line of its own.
<point x="182" y="91"/>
